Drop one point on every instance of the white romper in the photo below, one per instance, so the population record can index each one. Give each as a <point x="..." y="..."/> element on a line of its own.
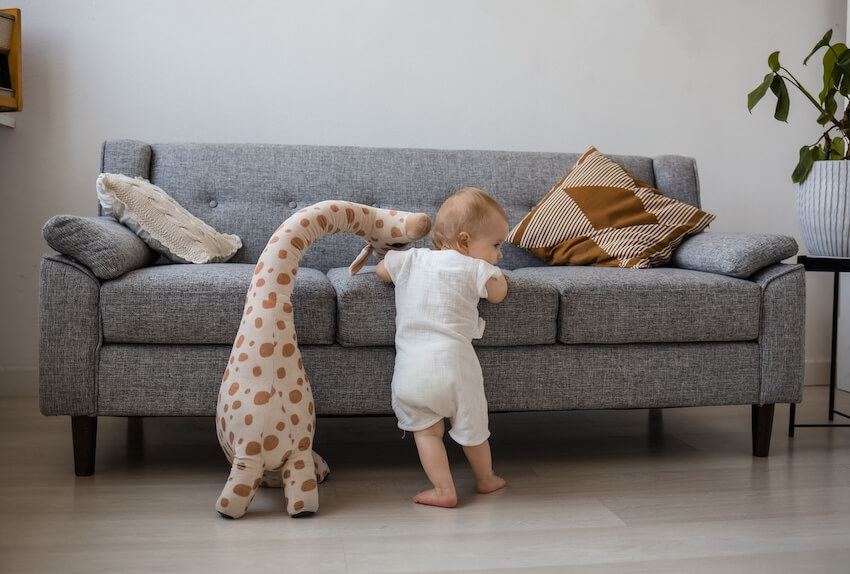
<point x="437" y="374"/>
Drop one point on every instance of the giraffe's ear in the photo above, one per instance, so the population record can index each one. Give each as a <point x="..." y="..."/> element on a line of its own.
<point x="360" y="261"/>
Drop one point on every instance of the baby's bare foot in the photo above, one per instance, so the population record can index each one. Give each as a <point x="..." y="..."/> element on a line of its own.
<point x="444" y="498"/>
<point x="490" y="484"/>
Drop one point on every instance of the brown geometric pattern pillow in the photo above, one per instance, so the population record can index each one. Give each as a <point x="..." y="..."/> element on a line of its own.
<point x="600" y="214"/>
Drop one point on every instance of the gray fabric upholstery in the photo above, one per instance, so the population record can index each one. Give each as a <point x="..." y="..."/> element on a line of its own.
<point x="734" y="254"/>
<point x="366" y="309"/>
<point x="611" y="305"/>
<point x="203" y="304"/>
<point x="556" y="377"/>
<point x="724" y="324"/>
<point x="249" y="189"/>
<point x="106" y="247"/>
<point x="69" y="337"/>
<point x="172" y="380"/>
<point x="783" y="333"/>
<point x="129" y="157"/>
<point x="677" y="177"/>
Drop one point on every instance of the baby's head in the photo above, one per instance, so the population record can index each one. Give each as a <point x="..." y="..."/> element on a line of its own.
<point x="473" y="223"/>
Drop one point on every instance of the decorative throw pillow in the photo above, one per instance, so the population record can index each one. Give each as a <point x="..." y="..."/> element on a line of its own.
<point x="102" y="244"/>
<point x="600" y="214"/>
<point x="733" y="254"/>
<point x="161" y="222"/>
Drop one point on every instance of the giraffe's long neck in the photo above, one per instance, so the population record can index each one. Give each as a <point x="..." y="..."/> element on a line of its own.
<point x="304" y="227"/>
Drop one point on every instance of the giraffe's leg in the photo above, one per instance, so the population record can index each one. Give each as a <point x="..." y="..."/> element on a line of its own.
<point x="245" y="477"/>
<point x="322" y="469"/>
<point x="300" y="488"/>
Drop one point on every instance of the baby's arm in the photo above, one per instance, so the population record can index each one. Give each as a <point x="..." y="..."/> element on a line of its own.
<point x="497" y="288"/>
<point x="381" y="271"/>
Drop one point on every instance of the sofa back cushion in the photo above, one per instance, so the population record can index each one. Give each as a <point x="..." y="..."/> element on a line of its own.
<point x="249" y="189"/>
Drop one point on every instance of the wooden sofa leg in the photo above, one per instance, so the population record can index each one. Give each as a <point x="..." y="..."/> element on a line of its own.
<point x="84" y="431"/>
<point x="762" y="427"/>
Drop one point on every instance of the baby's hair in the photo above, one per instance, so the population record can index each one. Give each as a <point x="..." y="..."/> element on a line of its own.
<point x="465" y="210"/>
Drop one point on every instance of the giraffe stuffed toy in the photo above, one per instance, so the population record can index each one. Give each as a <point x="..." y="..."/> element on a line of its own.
<point x="265" y="416"/>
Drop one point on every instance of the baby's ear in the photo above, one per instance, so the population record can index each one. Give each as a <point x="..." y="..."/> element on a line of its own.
<point x="463" y="242"/>
<point x="417" y="226"/>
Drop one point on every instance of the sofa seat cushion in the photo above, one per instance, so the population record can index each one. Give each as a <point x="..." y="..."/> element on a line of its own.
<point x="611" y="305"/>
<point x="366" y="310"/>
<point x="203" y="304"/>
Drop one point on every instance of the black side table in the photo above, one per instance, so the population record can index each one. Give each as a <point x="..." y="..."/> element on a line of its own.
<point x="835" y="265"/>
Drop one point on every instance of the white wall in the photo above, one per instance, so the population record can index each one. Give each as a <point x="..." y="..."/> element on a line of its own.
<point x="842" y="374"/>
<point x="631" y="77"/>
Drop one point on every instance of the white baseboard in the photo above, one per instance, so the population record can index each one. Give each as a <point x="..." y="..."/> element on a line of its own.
<point x="19" y="381"/>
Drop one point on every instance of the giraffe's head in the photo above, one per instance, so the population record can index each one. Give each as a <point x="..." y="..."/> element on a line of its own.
<point x="389" y="229"/>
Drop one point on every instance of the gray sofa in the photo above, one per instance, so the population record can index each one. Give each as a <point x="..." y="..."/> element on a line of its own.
<point x="124" y="334"/>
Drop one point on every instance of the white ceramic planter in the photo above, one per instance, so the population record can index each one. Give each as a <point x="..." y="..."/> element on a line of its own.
<point x="823" y="209"/>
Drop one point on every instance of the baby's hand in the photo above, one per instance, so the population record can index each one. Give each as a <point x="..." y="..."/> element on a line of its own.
<point x="497" y="288"/>
<point x="381" y="271"/>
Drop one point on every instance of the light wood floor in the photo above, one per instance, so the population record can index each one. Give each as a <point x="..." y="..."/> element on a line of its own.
<point x="588" y="492"/>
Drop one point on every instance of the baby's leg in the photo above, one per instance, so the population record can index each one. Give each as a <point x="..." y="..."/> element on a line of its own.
<point x="435" y="461"/>
<point x="481" y="462"/>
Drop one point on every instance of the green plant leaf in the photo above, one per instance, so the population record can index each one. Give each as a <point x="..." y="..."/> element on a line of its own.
<point x="830" y="80"/>
<point x="756" y="95"/>
<point x="783" y="102"/>
<point x="773" y="61"/>
<point x="823" y="42"/>
<point x="838" y="147"/>
<point x="804" y="166"/>
<point x="843" y="61"/>
<point x="844" y="86"/>
<point x="831" y="106"/>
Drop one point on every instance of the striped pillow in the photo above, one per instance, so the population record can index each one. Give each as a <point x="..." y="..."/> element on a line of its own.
<point x="600" y="214"/>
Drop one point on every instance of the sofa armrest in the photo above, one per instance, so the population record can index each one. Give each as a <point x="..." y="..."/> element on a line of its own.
<point x="69" y="337"/>
<point x="102" y="244"/>
<point x="735" y="254"/>
<point x="783" y="332"/>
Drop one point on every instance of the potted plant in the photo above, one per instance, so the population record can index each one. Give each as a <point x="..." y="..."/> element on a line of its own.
<point x="822" y="174"/>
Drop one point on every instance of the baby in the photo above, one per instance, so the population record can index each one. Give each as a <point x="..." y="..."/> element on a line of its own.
<point x="437" y="375"/>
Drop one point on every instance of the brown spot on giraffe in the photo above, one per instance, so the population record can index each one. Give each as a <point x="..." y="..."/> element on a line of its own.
<point x="266" y="349"/>
<point x="242" y="489"/>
